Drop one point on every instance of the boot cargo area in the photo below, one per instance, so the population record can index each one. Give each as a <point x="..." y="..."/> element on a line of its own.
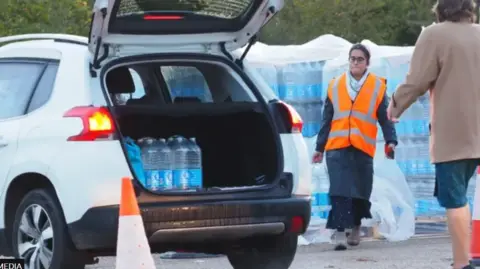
<point x="208" y="101"/>
<point x="235" y="139"/>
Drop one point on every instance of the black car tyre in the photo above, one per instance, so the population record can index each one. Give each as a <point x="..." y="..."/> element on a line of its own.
<point x="40" y="235"/>
<point x="276" y="252"/>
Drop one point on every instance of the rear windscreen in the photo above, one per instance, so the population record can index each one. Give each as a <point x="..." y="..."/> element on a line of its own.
<point x="227" y="9"/>
<point x="181" y="16"/>
<point x="164" y="17"/>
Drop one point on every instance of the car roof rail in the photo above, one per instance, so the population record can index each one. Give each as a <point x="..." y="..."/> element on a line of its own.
<point x="65" y="38"/>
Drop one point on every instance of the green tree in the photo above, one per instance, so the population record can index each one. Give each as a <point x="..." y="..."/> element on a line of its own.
<point x="44" y="16"/>
<point x="394" y="22"/>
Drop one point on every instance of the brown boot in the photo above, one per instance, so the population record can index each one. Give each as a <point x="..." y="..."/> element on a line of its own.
<point x="354" y="237"/>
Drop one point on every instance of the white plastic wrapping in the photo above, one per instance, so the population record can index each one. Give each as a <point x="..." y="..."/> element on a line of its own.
<point x="393" y="204"/>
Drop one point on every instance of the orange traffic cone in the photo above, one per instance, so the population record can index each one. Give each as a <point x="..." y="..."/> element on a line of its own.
<point x="133" y="250"/>
<point x="475" y="250"/>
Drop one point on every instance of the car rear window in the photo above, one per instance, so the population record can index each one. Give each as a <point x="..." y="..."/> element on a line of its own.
<point x="154" y="17"/>
<point x="227" y="9"/>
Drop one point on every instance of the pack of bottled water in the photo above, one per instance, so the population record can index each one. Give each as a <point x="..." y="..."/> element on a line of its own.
<point x="320" y="188"/>
<point x="171" y="164"/>
<point x="300" y="85"/>
<point x="185" y="81"/>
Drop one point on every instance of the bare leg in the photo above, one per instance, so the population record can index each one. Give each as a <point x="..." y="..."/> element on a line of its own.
<point x="459" y="227"/>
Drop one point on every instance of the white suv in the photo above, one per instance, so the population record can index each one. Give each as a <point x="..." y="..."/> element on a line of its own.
<point x="67" y="103"/>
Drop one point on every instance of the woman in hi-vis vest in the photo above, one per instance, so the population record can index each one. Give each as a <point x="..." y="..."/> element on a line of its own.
<point x="355" y="103"/>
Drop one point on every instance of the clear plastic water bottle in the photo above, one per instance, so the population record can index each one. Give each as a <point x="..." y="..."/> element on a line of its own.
<point x="281" y="87"/>
<point x="195" y="164"/>
<point x="179" y="149"/>
<point x="164" y="165"/>
<point x="408" y="157"/>
<point x="400" y="156"/>
<point x="302" y="81"/>
<point x="308" y="127"/>
<point x="400" y="128"/>
<point x="417" y="161"/>
<point x="312" y="77"/>
<point x="317" y="87"/>
<point x="289" y="83"/>
<point x="150" y="162"/>
<point x="408" y="123"/>
<point x="323" y="190"/>
<point x="317" y="116"/>
<point x="425" y="153"/>
<point x="316" y="212"/>
<point x="269" y="74"/>
<point x="189" y="83"/>
<point x="178" y="81"/>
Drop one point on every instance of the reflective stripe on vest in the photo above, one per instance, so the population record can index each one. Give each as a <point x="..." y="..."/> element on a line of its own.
<point x="355" y="123"/>
<point x="369" y="117"/>
<point x="353" y="131"/>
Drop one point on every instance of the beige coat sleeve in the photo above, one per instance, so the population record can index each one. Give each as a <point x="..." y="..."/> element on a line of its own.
<point x="423" y="72"/>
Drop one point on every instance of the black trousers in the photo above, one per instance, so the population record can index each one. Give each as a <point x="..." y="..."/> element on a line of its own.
<point x="347" y="213"/>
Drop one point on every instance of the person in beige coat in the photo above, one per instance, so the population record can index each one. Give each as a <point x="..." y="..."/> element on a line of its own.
<point x="446" y="62"/>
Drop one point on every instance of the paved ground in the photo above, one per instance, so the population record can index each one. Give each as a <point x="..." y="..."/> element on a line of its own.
<point x="418" y="253"/>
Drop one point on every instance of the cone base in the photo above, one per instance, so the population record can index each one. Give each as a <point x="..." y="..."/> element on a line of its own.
<point x="133" y="250"/>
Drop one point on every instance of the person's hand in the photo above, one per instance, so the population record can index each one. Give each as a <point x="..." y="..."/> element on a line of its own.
<point x="390" y="148"/>
<point x="317" y="157"/>
<point x="389" y="113"/>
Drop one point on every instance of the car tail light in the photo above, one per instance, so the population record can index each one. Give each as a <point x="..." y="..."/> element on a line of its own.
<point x="296" y="225"/>
<point x="296" y="121"/>
<point x="97" y="123"/>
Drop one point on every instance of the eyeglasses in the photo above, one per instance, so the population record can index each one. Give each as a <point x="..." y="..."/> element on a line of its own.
<point x="354" y="59"/>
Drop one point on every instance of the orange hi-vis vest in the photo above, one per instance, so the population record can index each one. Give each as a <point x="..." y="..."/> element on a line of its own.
<point x="354" y="123"/>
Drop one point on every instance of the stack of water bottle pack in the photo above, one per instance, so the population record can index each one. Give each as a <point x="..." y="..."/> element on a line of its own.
<point x="173" y="164"/>
<point x="413" y="132"/>
<point x="300" y="85"/>
<point x="413" y="157"/>
<point x="186" y="82"/>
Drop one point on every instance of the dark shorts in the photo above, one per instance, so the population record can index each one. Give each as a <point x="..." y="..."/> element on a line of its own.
<point x="451" y="182"/>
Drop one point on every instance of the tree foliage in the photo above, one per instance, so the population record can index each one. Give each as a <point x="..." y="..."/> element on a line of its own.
<point x="44" y="16"/>
<point x="394" y="22"/>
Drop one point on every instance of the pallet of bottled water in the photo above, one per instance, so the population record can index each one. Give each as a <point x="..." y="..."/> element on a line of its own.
<point x="171" y="164"/>
<point x="300" y="85"/>
<point x="413" y="157"/>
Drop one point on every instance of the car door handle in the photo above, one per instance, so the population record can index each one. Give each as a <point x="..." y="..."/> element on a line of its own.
<point x="3" y="144"/>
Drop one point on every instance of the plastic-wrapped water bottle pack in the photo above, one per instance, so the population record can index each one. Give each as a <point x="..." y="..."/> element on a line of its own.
<point x="162" y="165"/>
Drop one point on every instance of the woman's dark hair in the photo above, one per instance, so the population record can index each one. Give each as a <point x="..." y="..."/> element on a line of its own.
<point x="455" y="10"/>
<point x="363" y="48"/>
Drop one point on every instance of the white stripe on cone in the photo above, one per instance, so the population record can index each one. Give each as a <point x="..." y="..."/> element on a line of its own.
<point x="476" y="199"/>
<point x="475" y="247"/>
<point x="133" y="250"/>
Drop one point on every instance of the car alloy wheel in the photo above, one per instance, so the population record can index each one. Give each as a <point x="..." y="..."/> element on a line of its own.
<point x="35" y="238"/>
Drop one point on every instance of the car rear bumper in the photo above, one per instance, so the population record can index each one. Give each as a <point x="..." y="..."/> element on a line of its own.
<point x="195" y="222"/>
